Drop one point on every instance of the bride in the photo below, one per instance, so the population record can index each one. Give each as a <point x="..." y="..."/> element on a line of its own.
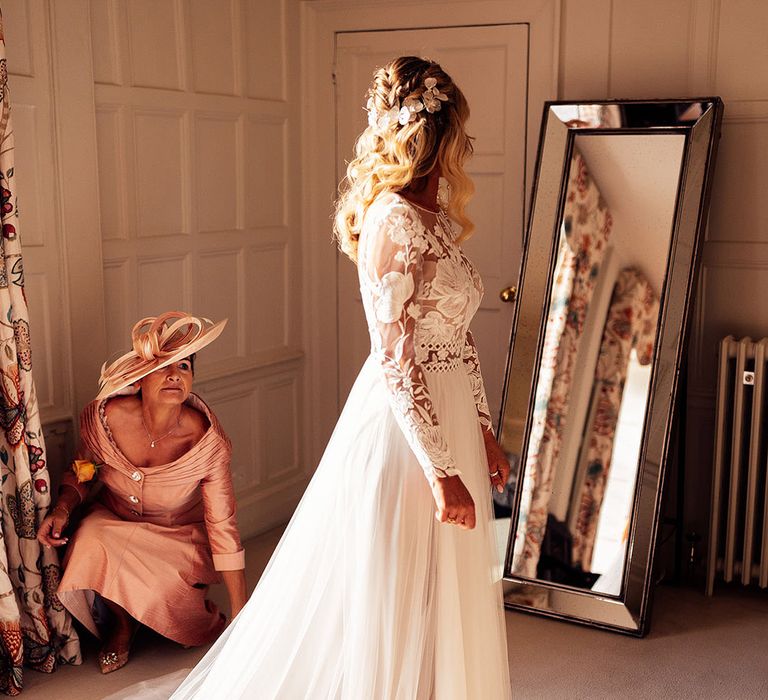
<point x="384" y="584"/>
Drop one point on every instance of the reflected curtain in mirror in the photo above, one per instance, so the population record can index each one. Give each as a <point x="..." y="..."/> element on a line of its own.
<point x="585" y="231"/>
<point x="630" y="325"/>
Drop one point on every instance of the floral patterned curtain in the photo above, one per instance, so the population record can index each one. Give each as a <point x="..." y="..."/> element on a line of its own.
<point x="585" y="231"/>
<point x="34" y="627"/>
<point x="631" y="323"/>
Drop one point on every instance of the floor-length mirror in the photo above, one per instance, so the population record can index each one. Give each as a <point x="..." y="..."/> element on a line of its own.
<point x="620" y="195"/>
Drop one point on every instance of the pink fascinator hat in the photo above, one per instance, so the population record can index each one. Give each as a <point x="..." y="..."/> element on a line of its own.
<point x="157" y="341"/>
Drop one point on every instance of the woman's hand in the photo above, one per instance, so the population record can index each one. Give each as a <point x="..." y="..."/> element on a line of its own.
<point x="49" y="532"/>
<point x="498" y="464"/>
<point x="236" y="588"/>
<point x="454" y="503"/>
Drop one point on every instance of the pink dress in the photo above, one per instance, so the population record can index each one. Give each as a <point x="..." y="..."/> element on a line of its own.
<point x="156" y="537"/>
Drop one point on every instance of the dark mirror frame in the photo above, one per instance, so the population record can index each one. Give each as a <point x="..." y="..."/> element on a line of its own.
<point x="628" y="612"/>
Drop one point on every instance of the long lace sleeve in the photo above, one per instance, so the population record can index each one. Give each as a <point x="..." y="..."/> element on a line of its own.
<point x="472" y="365"/>
<point x="394" y="265"/>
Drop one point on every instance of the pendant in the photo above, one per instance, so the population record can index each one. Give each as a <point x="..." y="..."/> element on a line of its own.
<point x="152" y="444"/>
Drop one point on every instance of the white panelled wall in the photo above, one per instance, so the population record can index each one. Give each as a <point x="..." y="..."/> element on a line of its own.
<point x="196" y="124"/>
<point x="192" y="142"/>
<point x="39" y="201"/>
<point x="191" y="161"/>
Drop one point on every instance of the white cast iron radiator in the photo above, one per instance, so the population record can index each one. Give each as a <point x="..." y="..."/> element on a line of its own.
<point x="738" y="534"/>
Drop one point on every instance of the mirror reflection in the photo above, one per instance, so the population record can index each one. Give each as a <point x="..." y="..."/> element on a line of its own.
<point x="594" y="374"/>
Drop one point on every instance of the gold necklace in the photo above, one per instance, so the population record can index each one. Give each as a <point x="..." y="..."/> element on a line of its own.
<point x="154" y="441"/>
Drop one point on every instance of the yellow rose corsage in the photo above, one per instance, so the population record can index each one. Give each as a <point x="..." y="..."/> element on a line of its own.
<point x="84" y="470"/>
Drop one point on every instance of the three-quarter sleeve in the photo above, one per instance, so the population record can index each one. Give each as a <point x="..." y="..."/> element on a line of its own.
<point x="69" y="479"/>
<point x="472" y="367"/>
<point x="393" y="272"/>
<point x="88" y="449"/>
<point x="219" y="512"/>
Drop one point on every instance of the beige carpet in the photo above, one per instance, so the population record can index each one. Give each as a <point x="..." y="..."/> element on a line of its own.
<point x="697" y="648"/>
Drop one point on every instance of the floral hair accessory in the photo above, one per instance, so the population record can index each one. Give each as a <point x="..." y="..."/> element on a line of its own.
<point x="411" y="107"/>
<point x="432" y="97"/>
<point x="378" y="119"/>
<point x="430" y="100"/>
<point x="85" y="470"/>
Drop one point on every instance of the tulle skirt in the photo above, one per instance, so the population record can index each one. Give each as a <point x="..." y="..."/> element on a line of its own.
<point x="367" y="596"/>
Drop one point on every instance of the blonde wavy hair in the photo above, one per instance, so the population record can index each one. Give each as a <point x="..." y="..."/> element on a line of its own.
<point x="399" y="157"/>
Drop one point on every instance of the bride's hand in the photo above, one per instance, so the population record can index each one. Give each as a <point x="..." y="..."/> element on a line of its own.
<point x="454" y="503"/>
<point x="498" y="464"/>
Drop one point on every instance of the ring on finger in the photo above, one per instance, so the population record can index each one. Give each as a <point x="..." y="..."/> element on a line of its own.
<point x="495" y="474"/>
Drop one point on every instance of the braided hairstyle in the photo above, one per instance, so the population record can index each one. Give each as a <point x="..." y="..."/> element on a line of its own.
<point x="393" y="156"/>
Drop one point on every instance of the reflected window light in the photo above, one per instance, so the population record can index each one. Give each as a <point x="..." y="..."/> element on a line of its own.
<point x="589" y="116"/>
<point x="611" y="538"/>
<point x="566" y="113"/>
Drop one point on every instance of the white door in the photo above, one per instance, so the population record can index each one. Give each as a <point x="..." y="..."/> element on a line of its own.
<point x="489" y="63"/>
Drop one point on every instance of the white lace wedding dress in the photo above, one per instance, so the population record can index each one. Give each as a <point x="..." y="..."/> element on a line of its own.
<point x="367" y="596"/>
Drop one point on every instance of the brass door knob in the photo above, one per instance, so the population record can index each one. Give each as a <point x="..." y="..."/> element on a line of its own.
<point x="508" y="294"/>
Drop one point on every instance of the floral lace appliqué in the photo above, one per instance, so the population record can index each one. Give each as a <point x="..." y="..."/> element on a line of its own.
<point x="420" y="293"/>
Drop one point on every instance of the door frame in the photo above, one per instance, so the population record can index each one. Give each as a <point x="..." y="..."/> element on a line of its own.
<point x="321" y="20"/>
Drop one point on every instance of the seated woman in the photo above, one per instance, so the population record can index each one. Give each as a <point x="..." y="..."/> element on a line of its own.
<point x="162" y="527"/>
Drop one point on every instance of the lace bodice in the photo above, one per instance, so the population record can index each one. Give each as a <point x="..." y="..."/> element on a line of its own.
<point x="420" y="293"/>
